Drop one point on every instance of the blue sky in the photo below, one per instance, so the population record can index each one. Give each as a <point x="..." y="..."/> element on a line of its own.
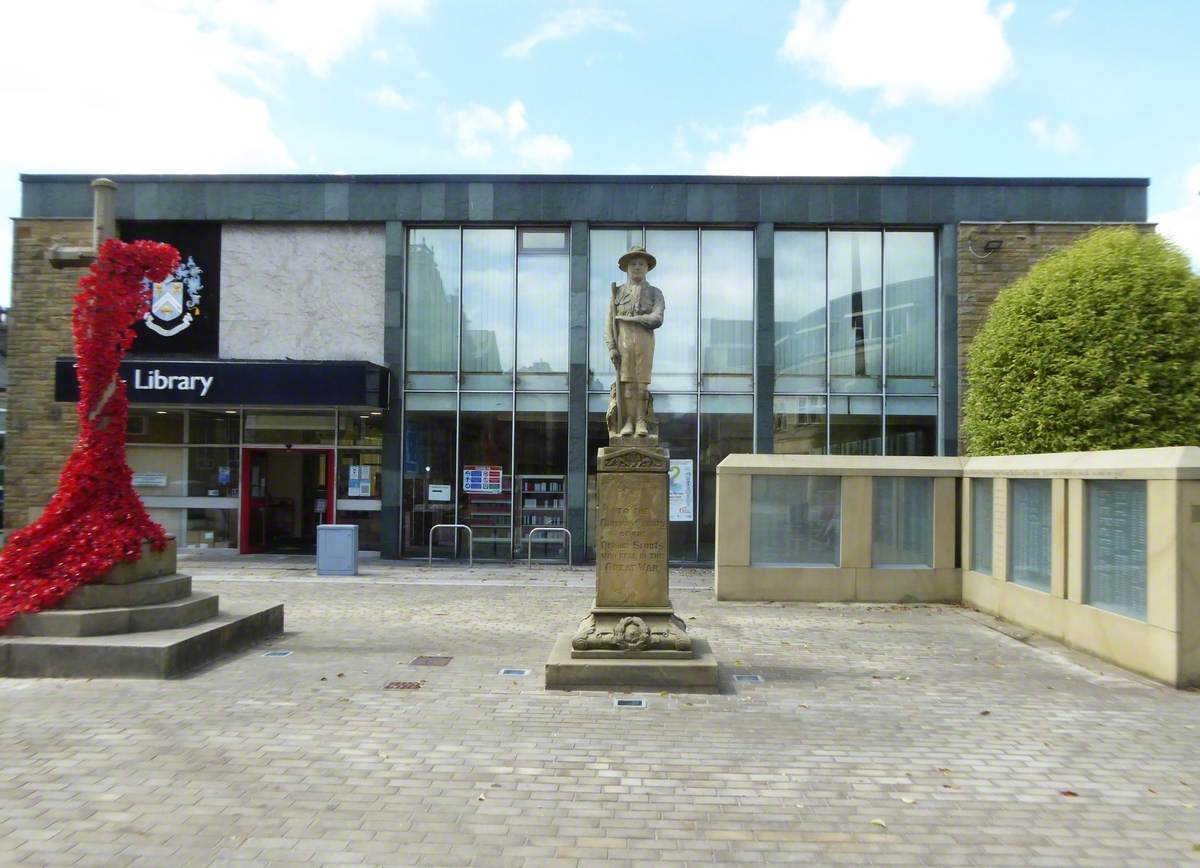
<point x="801" y="87"/>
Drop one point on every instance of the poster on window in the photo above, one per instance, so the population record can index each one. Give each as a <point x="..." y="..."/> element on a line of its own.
<point x="480" y="479"/>
<point x="679" y="491"/>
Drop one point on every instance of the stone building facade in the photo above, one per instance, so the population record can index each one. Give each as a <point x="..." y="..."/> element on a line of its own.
<point x="404" y="351"/>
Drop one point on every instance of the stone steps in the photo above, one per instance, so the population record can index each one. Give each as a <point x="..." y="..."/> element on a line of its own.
<point x="153" y="654"/>
<point x="119" y="619"/>
<point x="147" y="592"/>
<point x="139" y="620"/>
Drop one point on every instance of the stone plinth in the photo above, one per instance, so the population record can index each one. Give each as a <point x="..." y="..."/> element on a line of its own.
<point x="632" y="637"/>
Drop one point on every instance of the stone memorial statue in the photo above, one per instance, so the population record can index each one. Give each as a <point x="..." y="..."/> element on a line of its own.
<point x="632" y="637"/>
<point x="634" y="312"/>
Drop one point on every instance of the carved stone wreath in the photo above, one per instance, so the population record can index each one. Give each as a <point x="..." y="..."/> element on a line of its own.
<point x="632" y="634"/>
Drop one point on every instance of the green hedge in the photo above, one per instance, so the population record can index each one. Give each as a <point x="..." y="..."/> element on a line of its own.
<point x="1098" y="347"/>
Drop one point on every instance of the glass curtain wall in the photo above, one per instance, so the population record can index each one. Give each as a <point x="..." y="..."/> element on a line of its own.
<point x="485" y="389"/>
<point x="856" y="342"/>
<point x="703" y="364"/>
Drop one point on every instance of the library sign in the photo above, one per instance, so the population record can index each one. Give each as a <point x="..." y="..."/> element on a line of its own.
<point x="199" y="383"/>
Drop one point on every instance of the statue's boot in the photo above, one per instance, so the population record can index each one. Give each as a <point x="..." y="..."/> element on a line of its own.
<point x="627" y="429"/>
<point x="642" y="431"/>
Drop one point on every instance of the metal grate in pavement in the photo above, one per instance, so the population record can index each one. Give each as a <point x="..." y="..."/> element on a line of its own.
<point x="402" y="685"/>
<point x="629" y="703"/>
<point x="278" y="654"/>
<point x="515" y="673"/>
<point x="748" y="679"/>
<point x="430" y="661"/>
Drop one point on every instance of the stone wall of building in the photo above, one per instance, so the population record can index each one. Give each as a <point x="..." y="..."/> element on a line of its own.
<point x="982" y="274"/>
<point x="40" y="431"/>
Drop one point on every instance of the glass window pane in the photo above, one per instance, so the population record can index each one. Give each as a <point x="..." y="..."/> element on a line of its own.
<point x="544" y="239"/>
<point x="800" y="425"/>
<point x="357" y="428"/>
<point x="605" y="247"/>
<point x="541" y="461"/>
<point x="286" y="428"/>
<point x="855" y="426"/>
<point x="543" y="285"/>
<point x="981" y="526"/>
<point x="1116" y="546"/>
<point x="431" y="319"/>
<point x="213" y="472"/>
<point x="726" y="428"/>
<point x="430" y="477"/>
<point x="678" y="278"/>
<point x="154" y="426"/>
<point x="727" y="308"/>
<point x="795" y="521"/>
<point x="212" y="528"/>
<point x="1029" y="533"/>
<point x="159" y="471"/>
<point x="799" y="311"/>
<point x="489" y="275"/>
<point x="911" y="426"/>
<point x="855" y="325"/>
<point x="359" y="475"/>
<point x="485" y="445"/>
<point x="902" y="521"/>
<point x="910" y="266"/>
<point x="214" y="426"/>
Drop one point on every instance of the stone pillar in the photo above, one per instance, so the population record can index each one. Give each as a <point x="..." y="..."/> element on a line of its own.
<point x="632" y="637"/>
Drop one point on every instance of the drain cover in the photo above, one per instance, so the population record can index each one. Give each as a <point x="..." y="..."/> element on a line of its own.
<point x="629" y="703"/>
<point x="748" y="679"/>
<point x="402" y="685"/>
<point x="278" y="654"/>
<point x="430" y="661"/>
<point x="515" y="673"/>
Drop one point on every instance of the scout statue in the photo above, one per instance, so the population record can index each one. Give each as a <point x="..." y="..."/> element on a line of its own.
<point x="634" y="312"/>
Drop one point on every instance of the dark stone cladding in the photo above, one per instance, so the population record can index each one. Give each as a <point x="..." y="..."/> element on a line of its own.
<point x="595" y="199"/>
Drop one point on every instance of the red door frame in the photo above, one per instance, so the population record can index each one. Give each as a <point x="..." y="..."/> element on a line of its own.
<point x="244" y="505"/>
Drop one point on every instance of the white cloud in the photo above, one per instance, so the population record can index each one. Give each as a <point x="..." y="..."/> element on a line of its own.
<point x="824" y="140"/>
<point x="482" y="132"/>
<point x="568" y="23"/>
<point x="389" y="98"/>
<point x="1062" y="139"/>
<point x="545" y="153"/>
<point x="1058" y="16"/>
<point x="945" y="51"/>
<point x="317" y="32"/>
<point x="1183" y="224"/>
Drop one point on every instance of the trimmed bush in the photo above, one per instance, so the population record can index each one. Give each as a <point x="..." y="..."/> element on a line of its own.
<point x="1098" y="347"/>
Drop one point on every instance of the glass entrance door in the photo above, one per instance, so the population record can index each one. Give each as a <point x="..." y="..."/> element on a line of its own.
<point x="286" y="493"/>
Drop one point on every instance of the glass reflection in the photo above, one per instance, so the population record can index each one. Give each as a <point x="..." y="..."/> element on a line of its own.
<point x="800" y="425"/>
<point x="855" y="426"/>
<point x="910" y="268"/>
<point x="677" y="276"/>
<point x="911" y="426"/>
<point x="541" y="462"/>
<point x="489" y="274"/>
<point x="543" y="285"/>
<point x="429" y="474"/>
<point x="727" y="308"/>
<point x="800" y="311"/>
<point x="485" y="446"/>
<point x="726" y="428"/>
<point x="855" y="279"/>
<point x="431" y="320"/>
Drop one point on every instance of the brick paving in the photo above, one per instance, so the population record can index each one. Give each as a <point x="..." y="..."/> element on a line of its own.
<point x="882" y="735"/>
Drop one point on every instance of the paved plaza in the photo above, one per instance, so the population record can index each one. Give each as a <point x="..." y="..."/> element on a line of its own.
<point x="879" y="734"/>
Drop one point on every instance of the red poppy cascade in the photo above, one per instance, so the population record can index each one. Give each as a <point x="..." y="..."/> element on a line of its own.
<point x="95" y="518"/>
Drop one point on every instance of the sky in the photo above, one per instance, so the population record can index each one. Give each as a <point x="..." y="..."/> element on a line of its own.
<point x="1062" y="88"/>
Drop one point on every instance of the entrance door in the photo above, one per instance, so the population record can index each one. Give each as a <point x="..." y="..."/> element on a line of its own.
<point x="286" y="493"/>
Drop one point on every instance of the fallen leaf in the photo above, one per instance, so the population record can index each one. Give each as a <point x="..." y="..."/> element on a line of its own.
<point x="878" y="822"/>
<point x="341" y="675"/>
<point x="984" y="713"/>
<point x="1067" y="793"/>
<point x="480" y="797"/>
<point x="907" y="800"/>
<point x="323" y="678"/>
<point x="798" y="805"/>
<point x="944" y="771"/>
<point x="1152" y="790"/>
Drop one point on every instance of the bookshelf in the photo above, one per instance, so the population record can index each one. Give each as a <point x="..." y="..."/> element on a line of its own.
<point x="542" y="502"/>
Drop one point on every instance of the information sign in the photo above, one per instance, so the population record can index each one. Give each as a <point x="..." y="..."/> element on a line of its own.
<point x="680" y="488"/>
<point x="480" y="479"/>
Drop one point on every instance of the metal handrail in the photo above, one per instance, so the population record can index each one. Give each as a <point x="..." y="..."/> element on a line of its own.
<point x="470" y="542"/>
<point x="529" y="542"/>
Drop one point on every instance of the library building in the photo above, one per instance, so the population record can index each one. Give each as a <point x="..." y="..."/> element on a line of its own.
<point x="402" y="352"/>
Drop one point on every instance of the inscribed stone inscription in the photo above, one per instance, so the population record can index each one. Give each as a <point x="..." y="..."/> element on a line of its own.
<point x="631" y="551"/>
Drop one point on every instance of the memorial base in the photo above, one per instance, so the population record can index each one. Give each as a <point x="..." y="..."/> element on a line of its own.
<point x="645" y="672"/>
